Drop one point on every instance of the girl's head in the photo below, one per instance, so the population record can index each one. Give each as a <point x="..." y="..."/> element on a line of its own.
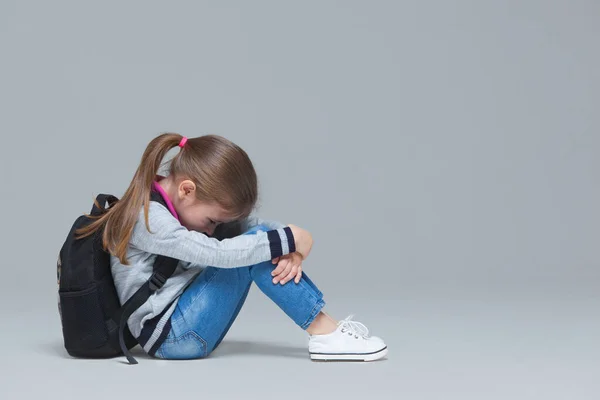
<point x="193" y="213"/>
<point x="210" y="180"/>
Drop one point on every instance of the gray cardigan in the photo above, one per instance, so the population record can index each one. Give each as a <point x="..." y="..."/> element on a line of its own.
<point x="226" y="249"/>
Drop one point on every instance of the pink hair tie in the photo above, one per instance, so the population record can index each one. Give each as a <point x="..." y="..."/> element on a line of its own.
<point x="183" y="141"/>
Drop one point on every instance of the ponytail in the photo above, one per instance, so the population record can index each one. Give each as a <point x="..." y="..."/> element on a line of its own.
<point x="120" y="219"/>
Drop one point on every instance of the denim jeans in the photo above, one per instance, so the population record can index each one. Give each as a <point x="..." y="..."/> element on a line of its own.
<point x="208" y="306"/>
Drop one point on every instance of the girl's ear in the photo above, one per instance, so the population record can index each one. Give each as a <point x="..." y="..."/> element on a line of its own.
<point x="187" y="189"/>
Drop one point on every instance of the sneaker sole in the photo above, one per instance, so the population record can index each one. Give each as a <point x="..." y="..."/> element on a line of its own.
<point x="350" y="356"/>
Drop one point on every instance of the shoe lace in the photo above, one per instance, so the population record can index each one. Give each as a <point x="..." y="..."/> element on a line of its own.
<point x="354" y="327"/>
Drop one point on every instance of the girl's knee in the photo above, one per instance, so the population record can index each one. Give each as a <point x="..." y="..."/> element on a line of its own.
<point x="256" y="228"/>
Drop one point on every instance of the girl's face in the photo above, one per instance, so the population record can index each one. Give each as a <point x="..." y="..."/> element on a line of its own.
<point x="201" y="217"/>
<point x="194" y="214"/>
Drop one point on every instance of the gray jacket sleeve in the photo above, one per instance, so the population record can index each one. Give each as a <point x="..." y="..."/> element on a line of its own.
<point x="169" y="238"/>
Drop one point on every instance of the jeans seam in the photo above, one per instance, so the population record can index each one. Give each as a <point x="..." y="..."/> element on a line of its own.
<point x="201" y="339"/>
<point x="190" y="334"/>
<point x="310" y="283"/>
<point x="308" y="288"/>
<point x="318" y="305"/>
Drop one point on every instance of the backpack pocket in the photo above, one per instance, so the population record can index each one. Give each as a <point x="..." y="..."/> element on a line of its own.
<point x="84" y="330"/>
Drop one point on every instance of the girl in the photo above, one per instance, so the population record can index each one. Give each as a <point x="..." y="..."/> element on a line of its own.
<point x="209" y="193"/>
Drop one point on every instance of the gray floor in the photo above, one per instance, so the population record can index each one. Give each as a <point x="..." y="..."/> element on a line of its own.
<point x="485" y="341"/>
<point x="455" y="139"/>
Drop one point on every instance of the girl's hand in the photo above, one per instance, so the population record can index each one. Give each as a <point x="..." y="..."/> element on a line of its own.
<point x="288" y="267"/>
<point x="303" y="240"/>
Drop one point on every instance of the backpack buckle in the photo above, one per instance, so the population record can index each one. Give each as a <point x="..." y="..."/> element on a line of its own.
<point x="156" y="281"/>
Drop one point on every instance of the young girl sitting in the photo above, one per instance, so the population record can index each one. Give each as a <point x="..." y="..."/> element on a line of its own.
<point x="210" y="192"/>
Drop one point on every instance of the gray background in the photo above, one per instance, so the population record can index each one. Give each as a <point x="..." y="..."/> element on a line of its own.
<point x="443" y="154"/>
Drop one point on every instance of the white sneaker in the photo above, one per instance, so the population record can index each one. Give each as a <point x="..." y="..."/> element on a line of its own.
<point x="349" y="342"/>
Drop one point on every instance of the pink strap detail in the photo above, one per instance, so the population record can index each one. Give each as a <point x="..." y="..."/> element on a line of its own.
<point x="183" y="141"/>
<point x="164" y="195"/>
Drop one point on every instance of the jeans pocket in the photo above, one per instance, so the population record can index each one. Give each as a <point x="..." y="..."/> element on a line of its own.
<point x="187" y="346"/>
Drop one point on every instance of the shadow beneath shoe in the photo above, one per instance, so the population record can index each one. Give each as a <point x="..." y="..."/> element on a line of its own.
<point x="350" y="361"/>
<point x="230" y="347"/>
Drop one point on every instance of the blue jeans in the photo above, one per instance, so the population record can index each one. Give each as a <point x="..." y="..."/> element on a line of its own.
<point x="209" y="305"/>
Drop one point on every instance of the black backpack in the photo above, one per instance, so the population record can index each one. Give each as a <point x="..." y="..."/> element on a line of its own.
<point x="94" y="322"/>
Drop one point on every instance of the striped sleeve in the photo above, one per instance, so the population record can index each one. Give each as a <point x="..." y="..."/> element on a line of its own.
<point x="169" y="238"/>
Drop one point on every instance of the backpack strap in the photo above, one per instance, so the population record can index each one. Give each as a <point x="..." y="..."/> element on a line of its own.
<point x="163" y="268"/>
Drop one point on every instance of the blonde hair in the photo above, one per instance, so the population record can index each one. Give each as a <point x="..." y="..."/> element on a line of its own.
<point x="221" y="171"/>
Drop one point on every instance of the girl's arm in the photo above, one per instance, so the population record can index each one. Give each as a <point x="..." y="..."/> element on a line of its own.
<point x="231" y="229"/>
<point x="170" y="238"/>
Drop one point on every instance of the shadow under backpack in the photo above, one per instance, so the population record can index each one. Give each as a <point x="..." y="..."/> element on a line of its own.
<point x="94" y="322"/>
